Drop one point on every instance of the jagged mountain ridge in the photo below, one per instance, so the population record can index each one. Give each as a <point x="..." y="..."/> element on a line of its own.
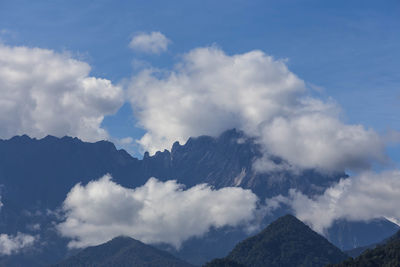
<point x="60" y="163"/>
<point x="228" y="161"/>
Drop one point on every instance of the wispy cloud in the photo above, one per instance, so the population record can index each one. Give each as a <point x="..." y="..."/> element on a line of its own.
<point x="151" y="43"/>
<point x="10" y="244"/>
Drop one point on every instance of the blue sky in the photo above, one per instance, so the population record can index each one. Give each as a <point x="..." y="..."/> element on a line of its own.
<point x="350" y="49"/>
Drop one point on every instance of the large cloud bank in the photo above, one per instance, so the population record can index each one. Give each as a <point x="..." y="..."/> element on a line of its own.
<point x="361" y="198"/>
<point x="209" y="92"/>
<point x="43" y="92"/>
<point x="10" y="244"/>
<point x="153" y="213"/>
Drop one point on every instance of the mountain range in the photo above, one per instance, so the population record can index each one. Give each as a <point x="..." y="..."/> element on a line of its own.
<point x="285" y="242"/>
<point x="37" y="174"/>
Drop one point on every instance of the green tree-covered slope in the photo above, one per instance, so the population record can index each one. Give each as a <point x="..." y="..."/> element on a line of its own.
<point x="285" y="242"/>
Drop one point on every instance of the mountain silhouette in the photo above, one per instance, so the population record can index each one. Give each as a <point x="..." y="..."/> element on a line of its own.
<point x="122" y="252"/>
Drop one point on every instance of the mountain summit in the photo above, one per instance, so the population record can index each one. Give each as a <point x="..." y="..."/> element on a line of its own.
<point x="286" y="242"/>
<point x="123" y="251"/>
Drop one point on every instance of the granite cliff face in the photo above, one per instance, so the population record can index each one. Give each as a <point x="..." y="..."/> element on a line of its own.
<point x="228" y="161"/>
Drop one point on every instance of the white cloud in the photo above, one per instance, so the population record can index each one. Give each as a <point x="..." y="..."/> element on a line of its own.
<point x="153" y="213"/>
<point x="13" y="244"/>
<point x="209" y="92"/>
<point x="151" y="43"/>
<point x="361" y="198"/>
<point x="43" y="92"/>
<point x="319" y="140"/>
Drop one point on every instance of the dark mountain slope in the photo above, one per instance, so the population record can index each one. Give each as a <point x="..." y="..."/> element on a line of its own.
<point x="122" y="252"/>
<point x="33" y="166"/>
<point x="385" y="255"/>
<point x="348" y="235"/>
<point x="359" y="250"/>
<point x="223" y="263"/>
<point x="355" y="252"/>
<point x="286" y="242"/>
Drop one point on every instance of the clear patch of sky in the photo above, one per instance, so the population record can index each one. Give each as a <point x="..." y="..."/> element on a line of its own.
<point x="347" y="47"/>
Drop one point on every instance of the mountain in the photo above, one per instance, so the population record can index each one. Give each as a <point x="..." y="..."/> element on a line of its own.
<point x="224" y="263"/>
<point x="385" y="255"/>
<point x="355" y="252"/>
<point x="228" y="160"/>
<point x="29" y="167"/>
<point x="121" y="252"/>
<point x="347" y="236"/>
<point x="285" y="242"/>
<point x="37" y="174"/>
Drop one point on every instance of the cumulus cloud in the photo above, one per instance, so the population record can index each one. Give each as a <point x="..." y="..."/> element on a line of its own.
<point x="209" y="92"/>
<point x="151" y="43"/>
<point x="10" y="244"/>
<point x="157" y="212"/>
<point x="43" y="92"/>
<point x="319" y="140"/>
<point x="361" y="198"/>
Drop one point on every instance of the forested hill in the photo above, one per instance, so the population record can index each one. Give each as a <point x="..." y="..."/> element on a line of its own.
<point x="285" y="242"/>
